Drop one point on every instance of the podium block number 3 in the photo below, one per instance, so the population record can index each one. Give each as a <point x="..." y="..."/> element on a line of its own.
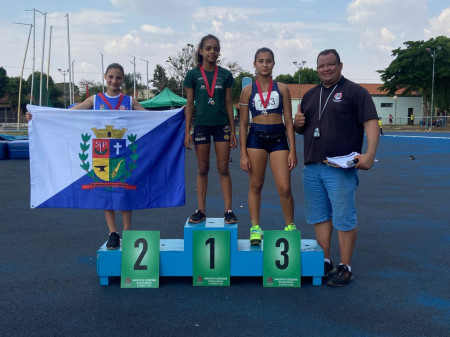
<point x="281" y="267"/>
<point x="284" y="253"/>
<point x="211" y="258"/>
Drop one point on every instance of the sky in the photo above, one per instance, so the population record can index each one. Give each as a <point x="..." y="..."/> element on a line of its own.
<point x="364" y="32"/>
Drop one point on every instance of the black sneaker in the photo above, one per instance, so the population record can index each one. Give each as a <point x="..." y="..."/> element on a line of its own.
<point x="341" y="278"/>
<point x="113" y="241"/>
<point x="329" y="269"/>
<point x="229" y="217"/>
<point x="197" y="217"/>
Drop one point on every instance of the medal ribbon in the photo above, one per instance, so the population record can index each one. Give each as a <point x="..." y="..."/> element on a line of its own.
<point x="326" y="102"/>
<point x="210" y="90"/>
<point x="264" y="102"/>
<point x="104" y="99"/>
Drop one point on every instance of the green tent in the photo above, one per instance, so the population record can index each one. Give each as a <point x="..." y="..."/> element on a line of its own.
<point x="165" y="99"/>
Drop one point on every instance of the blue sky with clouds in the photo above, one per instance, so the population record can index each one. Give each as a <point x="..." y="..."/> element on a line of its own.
<point x="363" y="31"/>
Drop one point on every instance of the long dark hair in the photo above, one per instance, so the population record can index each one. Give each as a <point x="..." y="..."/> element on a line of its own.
<point x="198" y="56"/>
<point x="115" y="66"/>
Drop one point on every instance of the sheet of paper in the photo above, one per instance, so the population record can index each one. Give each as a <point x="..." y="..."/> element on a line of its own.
<point x="341" y="161"/>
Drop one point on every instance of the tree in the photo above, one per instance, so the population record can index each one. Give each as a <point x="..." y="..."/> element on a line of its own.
<point x="12" y="92"/>
<point x="180" y="63"/>
<point x="237" y="86"/>
<point x="4" y="79"/>
<point x="307" y="76"/>
<point x="185" y="60"/>
<point x="412" y="68"/>
<point x="286" y="79"/>
<point x="128" y="84"/>
<point x="233" y="67"/>
<point x="93" y="87"/>
<point x="174" y="86"/>
<point x="160" y="80"/>
<point x="50" y="97"/>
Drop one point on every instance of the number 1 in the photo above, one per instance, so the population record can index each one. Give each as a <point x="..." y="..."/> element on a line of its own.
<point x="211" y="252"/>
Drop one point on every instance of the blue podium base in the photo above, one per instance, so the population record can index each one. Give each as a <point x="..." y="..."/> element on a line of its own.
<point x="175" y="257"/>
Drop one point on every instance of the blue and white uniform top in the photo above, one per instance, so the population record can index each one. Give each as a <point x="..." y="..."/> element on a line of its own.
<point x="275" y="104"/>
<point x="119" y="102"/>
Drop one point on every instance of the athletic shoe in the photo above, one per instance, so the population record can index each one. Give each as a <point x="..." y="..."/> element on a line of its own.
<point x="197" y="217"/>
<point x="113" y="241"/>
<point x="329" y="269"/>
<point x="255" y="234"/>
<point x="341" y="278"/>
<point x="290" y="227"/>
<point x="229" y="217"/>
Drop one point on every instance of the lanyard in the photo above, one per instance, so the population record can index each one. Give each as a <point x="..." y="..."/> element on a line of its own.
<point x="210" y="90"/>
<point x="326" y="102"/>
<point x="266" y="101"/>
<point x="109" y="104"/>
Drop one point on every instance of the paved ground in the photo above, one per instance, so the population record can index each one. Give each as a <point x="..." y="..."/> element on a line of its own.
<point x="401" y="263"/>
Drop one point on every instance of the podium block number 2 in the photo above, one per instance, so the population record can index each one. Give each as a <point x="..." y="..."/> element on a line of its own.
<point x="144" y="243"/>
<point x="140" y="259"/>
<point x="211" y="258"/>
<point x="281" y="267"/>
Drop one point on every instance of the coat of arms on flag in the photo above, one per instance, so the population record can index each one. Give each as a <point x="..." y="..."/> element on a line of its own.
<point x="106" y="159"/>
<point x="112" y="160"/>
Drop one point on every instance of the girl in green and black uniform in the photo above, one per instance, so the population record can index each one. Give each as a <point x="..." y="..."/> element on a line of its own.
<point x="210" y="87"/>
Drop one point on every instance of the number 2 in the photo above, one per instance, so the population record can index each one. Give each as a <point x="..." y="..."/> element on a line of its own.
<point x="137" y="265"/>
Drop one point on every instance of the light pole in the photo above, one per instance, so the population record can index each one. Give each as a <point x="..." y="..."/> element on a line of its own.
<point x="73" y="83"/>
<point x="70" y="62"/>
<point x="146" y="61"/>
<point x="395" y="98"/>
<point x="134" y="75"/>
<point x="21" y="73"/>
<point x="64" y="73"/>
<point x="299" y="65"/>
<point x="433" y="53"/>
<point x="103" y="76"/>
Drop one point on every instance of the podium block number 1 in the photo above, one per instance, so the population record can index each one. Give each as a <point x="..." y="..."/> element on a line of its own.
<point x="211" y="258"/>
<point x="281" y="265"/>
<point x="140" y="259"/>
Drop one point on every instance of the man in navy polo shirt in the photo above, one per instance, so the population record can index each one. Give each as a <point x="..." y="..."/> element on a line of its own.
<point x="333" y="117"/>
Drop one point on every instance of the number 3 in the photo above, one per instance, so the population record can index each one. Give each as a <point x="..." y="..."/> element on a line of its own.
<point x="283" y="253"/>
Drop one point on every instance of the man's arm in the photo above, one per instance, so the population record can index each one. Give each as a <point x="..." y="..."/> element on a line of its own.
<point x="367" y="159"/>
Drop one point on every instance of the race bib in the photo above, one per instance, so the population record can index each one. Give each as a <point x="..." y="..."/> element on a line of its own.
<point x="273" y="103"/>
